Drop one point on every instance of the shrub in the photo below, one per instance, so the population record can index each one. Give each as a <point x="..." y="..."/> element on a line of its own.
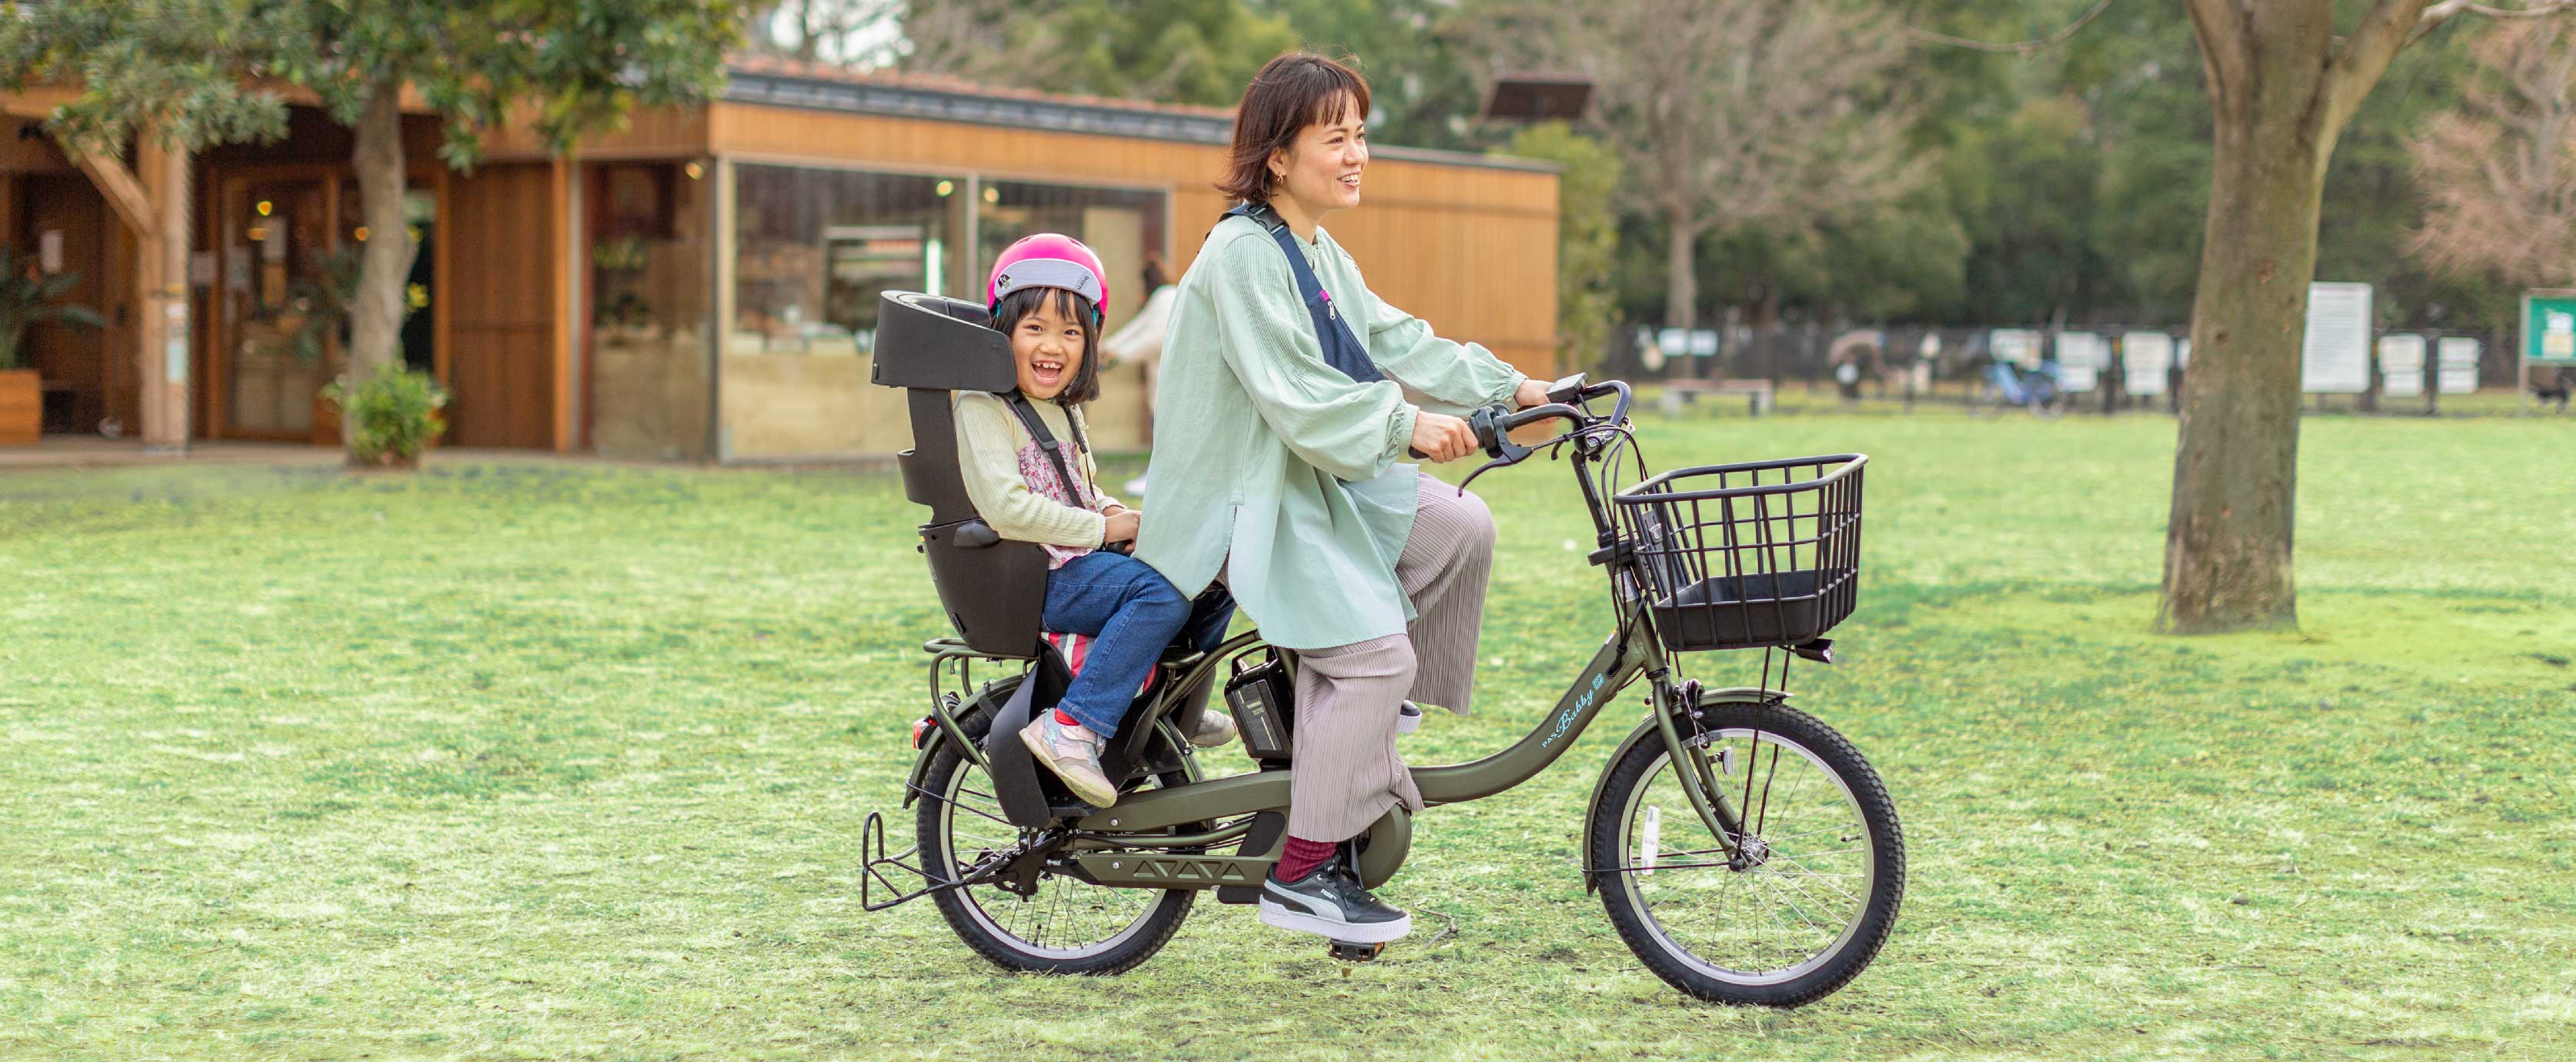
<point x="393" y="414"/>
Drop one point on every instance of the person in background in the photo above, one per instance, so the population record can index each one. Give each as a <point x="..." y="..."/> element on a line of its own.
<point x="1141" y="339"/>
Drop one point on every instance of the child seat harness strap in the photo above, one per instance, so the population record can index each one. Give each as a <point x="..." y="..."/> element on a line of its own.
<point x="1342" y="349"/>
<point x="1028" y="415"/>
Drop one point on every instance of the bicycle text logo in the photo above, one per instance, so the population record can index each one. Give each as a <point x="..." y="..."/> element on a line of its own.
<point x="1565" y="719"/>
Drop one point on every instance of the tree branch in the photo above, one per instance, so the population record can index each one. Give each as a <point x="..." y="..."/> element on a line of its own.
<point x="2447" y="9"/>
<point x="2389" y="25"/>
<point x="2220" y="27"/>
<point x="2012" y="47"/>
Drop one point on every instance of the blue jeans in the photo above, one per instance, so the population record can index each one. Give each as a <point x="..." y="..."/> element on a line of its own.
<point x="1135" y="613"/>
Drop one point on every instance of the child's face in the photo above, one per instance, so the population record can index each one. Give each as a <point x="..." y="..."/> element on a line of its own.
<point x="1046" y="347"/>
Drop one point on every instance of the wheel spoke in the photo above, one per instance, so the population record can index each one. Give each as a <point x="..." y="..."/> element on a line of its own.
<point x="1771" y="913"/>
<point x="1066" y="917"/>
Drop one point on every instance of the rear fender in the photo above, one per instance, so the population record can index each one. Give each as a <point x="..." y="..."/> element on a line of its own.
<point x="1646" y="731"/>
<point x="952" y="727"/>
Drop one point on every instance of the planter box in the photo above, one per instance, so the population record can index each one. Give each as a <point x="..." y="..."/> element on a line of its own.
<point x="22" y="407"/>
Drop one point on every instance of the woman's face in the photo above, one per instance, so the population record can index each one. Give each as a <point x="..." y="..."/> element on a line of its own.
<point x="1321" y="171"/>
<point x="1046" y="347"/>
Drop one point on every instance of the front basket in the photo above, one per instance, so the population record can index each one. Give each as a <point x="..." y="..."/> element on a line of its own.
<point x="1744" y="556"/>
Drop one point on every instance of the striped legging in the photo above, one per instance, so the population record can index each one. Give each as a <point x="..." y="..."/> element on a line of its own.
<point x="1345" y="772"/>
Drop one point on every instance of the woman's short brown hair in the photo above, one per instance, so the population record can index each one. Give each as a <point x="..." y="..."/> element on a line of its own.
<point x="1291" y="92"/>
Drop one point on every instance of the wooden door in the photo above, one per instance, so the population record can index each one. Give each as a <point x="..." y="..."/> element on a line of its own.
<point x="67" y="215"/>
<point x="279" y="231"/>
<point x="501" y="305"/>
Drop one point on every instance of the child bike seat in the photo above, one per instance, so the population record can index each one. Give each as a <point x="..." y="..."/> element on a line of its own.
<point x="992" y="590"/>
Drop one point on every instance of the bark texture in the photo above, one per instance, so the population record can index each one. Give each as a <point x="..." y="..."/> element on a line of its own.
<point x="2282" y="86"/>
<point x="376" y="309"/>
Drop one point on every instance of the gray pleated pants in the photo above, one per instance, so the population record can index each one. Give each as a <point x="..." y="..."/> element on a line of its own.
<point x="1346" y="771"/>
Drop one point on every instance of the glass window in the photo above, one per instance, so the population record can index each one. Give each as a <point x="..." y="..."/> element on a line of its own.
<point x="1120" y="225"/>
<point x="647" y="228"/>
<point x="814" y="250"/>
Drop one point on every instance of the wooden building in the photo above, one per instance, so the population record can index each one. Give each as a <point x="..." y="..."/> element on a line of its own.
<point x="702" y="284"/>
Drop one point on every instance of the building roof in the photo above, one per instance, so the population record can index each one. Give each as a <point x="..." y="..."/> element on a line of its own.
<point x="781" y="82"/>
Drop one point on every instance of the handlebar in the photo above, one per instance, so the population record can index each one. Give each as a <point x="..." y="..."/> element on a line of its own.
<point x="1494" y="424"/>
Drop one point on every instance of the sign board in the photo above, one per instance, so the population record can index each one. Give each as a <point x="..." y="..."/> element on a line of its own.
<point x="2145" y="358"/>
<point x="2401" y="365"/>
<point x="2019" y="346"/>
<point x="2081" y="357"/>
<point x="2549" y="327"/>
<point x="1697" y="343"/>
<point x="2458" y="358"/>
<point x="2335" y="360"/>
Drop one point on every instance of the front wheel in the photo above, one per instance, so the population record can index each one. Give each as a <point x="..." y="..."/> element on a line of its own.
<point x="1812" y="891"/>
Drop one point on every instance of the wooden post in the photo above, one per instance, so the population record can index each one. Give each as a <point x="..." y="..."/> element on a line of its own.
<point x="559" y="253"/>
<point x="161" y="278"/>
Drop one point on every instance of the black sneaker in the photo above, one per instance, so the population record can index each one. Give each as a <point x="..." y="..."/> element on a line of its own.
<point x="1330" y="902"/>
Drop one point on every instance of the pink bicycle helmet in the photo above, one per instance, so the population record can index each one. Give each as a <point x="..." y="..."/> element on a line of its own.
<point x="1049" y="260"/>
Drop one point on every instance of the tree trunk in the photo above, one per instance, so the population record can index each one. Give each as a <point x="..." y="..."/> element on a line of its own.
<point x="2228" y="539"/>
<point x="1681" y="279"/>
<point x="1681" y="290"/>
<point x="376" y="309"/>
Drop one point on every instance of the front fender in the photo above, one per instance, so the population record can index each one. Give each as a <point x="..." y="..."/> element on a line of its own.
<point x="1646" y="731"/>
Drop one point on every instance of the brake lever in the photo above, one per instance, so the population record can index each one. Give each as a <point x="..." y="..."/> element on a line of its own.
<point x="1506" y="452"/>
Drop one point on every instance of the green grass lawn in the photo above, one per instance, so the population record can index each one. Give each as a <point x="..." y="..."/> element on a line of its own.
<point x="565" y="761"/>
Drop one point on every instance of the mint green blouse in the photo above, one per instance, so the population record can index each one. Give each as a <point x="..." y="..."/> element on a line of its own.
<point x="1270" y="464"/>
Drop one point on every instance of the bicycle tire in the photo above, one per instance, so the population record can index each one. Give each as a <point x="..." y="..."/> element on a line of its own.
<point x="1670" y="959"/>
<point x="1125" y="952"/>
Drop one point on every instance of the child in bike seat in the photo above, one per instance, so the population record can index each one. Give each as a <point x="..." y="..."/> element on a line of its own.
<point x="1030" y="473"/>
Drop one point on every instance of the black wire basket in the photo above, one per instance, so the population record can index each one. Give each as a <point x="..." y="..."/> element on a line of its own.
<point x="1746" y="556"/>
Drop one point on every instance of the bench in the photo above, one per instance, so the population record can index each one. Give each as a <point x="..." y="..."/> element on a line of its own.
<point x="1680" y="393"/>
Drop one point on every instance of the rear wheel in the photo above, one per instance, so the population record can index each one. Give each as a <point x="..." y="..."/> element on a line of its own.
<point x="1067" y="926"/>
<point x="1810" y="897"/>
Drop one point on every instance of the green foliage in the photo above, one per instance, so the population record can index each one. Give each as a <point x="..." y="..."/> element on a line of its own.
<point x="1419" y="84"/>
<point x="1587" y="235"/>
<point x="325" y="302"/>
<point x="575" y="64"/>
<point x="1178" y="51"/>
<point x="28" y="297"/>
<point x="178" y="65"/>
<point x="395" y="413"/>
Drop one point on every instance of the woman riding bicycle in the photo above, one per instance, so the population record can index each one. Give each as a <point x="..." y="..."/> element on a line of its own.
<point x="1279" y="471"/>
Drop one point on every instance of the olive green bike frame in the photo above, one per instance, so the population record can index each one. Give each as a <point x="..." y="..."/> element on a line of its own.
<point x="1176" y="824"/>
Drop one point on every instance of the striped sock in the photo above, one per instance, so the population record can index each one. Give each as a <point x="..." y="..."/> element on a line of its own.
<point x="1303" y="856"/>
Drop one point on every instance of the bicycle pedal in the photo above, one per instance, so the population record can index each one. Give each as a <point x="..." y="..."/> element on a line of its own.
<point x="1353" y="951"/>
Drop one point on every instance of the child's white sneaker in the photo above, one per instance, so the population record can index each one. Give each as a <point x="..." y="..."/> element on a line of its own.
<point x="1073" y="753"/>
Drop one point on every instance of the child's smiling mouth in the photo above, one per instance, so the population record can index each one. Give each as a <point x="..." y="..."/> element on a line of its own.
<point x="1046" y="372"/>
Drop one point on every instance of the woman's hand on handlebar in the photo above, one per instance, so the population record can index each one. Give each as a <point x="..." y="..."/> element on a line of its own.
<point x="1531" y="393"/>
<point x="1439" y="437"/>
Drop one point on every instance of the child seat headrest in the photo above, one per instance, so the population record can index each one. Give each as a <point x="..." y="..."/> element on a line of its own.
<point x="939" y="344"/>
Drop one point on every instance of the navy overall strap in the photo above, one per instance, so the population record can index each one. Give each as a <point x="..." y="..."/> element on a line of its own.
<point x="1342" y="349"/>
<point x="1028" y="415"/>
